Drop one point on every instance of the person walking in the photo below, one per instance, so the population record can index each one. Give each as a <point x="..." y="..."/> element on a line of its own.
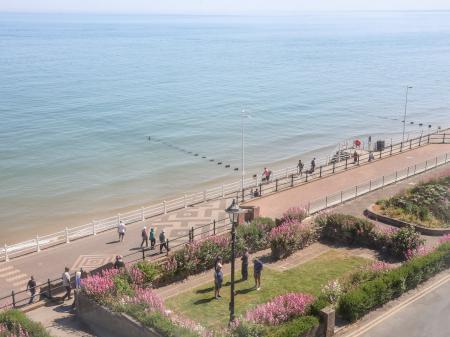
<point x="144" y="235"/>
<point x="78" y="279"/>
<point x="152" y="238"/>
<point x="119" y="264"/>
<point x="162" y="242"/>
<point x="244" y="269"/>
<point x="266" y="174"/>
<point x="31" y="287"/>
<point x="257" y="269"/>
<point x="66" y="284"/>
<point x="300" y="167"/>
<point x="121" y="229"/>
<point x="313" y="165"/>
<point x="355" y="157"/>
<point x="218" y="277"/>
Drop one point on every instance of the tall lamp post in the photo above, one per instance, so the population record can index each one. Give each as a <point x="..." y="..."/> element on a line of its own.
<point x="404" y="116"/>
<point x="233" y="212"/>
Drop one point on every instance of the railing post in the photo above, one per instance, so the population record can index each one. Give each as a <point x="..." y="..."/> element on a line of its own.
<point x="326" y="201"/>
<point x="306" y="177"/>
<point x="443" y="138"/>
<point x="67" y="235"/>
<point x="346" y="162"/>
<point x="341" y="196"/>
<point x="276" y="185"/>
<point x="446" y="157"/>
<point x="142" y="214"/>
<point x="243" y="195"/>
<point x="13" y="295"/>
<point x="391" y="150"/>
<point x="401" y="146"/>
<point x="192" y="234"/>
<point x="420" y="140"/>
<point x="426" y="165"/>
<point x="380" y="154"/>
<point x="428" y="139"/>
<point x="185" y="199"/>
<point x="309" y="206"/>
<point x="6" y="253"/>
<point x="143" y="254"/>
<point x="370" y="185"/>
<point x="94" y="232"/>
<point x="167" y="246"/>
<point x="260" y="189"/>
<point x="165" y="207"/>
<point x="320" y="171"/>
<point x="382" y="185"/>
<point x="38" y="247"/>
<point x="356" y="191"/>
<point x="435" y="165"/>
<point x="415" y="166"/>
<point x="407" y="172"/>
<point x="396" y="174"/>
<point x="223" y="191"/>
<point x="292" y="180"/>
<point x="214" y="227"/>
<point x="49" y="287"/>
<point x="358" y="160"/>
<point x="410" y="144"/>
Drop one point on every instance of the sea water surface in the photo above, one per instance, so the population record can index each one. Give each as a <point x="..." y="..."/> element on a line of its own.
<point x="81" y="94"/>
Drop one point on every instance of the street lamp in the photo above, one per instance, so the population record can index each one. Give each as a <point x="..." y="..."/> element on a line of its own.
<point x="404" y="117"/>
<point x="233" y="212"/>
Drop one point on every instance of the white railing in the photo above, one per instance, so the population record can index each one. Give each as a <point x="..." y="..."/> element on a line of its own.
<point x="225" y="190"/>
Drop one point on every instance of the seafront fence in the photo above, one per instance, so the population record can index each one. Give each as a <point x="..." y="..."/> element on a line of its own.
<point x="279" y="180"/>
<point x="52" y="287"/>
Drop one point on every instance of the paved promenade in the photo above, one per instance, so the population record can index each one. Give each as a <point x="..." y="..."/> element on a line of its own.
<point x="274" y="205"/>
<point x="92" y="252"/>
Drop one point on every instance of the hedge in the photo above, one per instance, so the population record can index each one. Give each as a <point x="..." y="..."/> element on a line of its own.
<point x="12" y="319"/>
<point x="374" y="293"/>
<point x="294" y="328"/>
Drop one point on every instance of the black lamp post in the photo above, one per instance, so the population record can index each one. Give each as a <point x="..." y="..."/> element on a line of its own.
<point x="233" y="212"/>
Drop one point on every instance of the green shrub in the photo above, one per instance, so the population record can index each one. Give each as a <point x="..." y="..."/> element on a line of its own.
<point x="294" y="328"/>
<point x="150" y="270"/>
<point x="13" y="319"/>
<point x="404" y="240"/>
<point x="254" y="235"/>
<point x="391" y="284"/>
<point x="246" y="329"/>
<point x="320" y="303"/>
<point x="122" y="284"/>
<point x="289" y="237"/>
<point x="345" y="228"/>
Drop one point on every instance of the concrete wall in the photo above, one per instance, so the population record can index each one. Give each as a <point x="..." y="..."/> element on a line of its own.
<point x="105" y="323"/>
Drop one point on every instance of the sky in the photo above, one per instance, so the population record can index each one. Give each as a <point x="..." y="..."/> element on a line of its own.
<point x="216" y="6"/>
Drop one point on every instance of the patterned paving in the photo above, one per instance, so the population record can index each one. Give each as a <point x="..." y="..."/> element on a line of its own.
<point x="90" y="262"/>
<point x="15" y="277"/>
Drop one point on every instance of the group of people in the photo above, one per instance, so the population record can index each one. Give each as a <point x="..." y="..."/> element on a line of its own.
<point x="300" y="167"/>
<point x="218" y="273"/>
<point x="146" y="237"/>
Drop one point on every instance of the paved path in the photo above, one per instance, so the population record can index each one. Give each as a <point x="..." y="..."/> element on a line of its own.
<point x="94" y="251"/>
<point x="275" y="204"/>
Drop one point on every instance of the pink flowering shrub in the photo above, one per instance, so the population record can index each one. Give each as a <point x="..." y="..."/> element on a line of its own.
<point x="148" y="298"/>
<point x="290" y="236"/>
<point x="100" y="285"/>
<point x="419" y="251"/>
<point x="280" y="309"/>
<point x="444" y="239"/>
<point x="380" y="266"/>
<point x="295" y="213"/>
<point x="137" y="276"/>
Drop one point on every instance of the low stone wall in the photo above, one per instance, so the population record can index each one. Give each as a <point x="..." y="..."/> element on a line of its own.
<point x="105" y="323"/>
<point x="372" y="214"/>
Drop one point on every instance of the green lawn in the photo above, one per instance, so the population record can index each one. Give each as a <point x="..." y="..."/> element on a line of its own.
<point x="201" y="306"/>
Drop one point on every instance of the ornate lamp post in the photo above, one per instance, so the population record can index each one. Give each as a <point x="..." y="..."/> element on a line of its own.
<point x="233" y="212"/>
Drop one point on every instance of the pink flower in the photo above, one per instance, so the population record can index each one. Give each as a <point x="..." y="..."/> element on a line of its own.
<point x="148" y="298"/>
<point x="380" y="266"/>
<point x="421" y="251"/>
<point x="137" y="275"/>
<point x="280" y="309"/>
<point x="444" y="239"/>
<point x="16" y="331"/>
<point x="101" y="284"/>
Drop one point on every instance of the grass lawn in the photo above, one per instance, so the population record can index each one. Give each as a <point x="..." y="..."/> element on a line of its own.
<point x="201" y="306"/>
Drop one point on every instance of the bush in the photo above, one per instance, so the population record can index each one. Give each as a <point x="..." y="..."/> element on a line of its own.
<point x="345" y="228"/>
<point x="289" y="237"/>
<point x="15" y="323"/>
<point x="404" y="240"/>
<point x="150" y="270"/>
<point x="254" y="235"/>
<point x="294" y="328"/>
<point x="245" y="329"/>
<point x="295" y="213"/>
<point x="386" y="286"/>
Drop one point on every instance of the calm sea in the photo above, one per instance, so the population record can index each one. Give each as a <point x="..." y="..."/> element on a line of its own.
<point x="81" y="94"/>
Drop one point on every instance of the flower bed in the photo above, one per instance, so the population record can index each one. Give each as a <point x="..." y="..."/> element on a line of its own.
<point x="14" y="323"/>
<point x="426" y="204"/>
<point x="290" y="236"/>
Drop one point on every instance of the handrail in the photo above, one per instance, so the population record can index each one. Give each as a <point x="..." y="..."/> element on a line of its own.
<point x="279" y="179"/>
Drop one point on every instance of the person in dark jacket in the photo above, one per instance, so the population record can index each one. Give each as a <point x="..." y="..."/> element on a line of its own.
<point x="257" y="270"/>
<point x="244" y="269"/>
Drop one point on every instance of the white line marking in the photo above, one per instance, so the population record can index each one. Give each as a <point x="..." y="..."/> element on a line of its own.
<point x="18" y="277"/>
<point x="10" y="273"/>
<point x="5" y="269"/>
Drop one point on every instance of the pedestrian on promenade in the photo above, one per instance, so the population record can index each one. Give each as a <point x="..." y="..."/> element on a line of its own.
<point x="78" y="279"/>
<point x="121" y="229"/>
<point x="266" y="174"/>
<point x="313" y="165"/>
<point x="162" y="242"/>
<point x="144" y="235"/>
<point x="244" y="269"/>
<point x="152" y="237"/>
<point x="256" y="193"/>
<point x="218" y="277"/>
<point x="300" y="167"/>
<point x="257" y="269"/>
<point x="66" y="284"/>
<point x="31" y="287"/>
<point x="119" y="264"/>
<point x="371" y="156"/>
<point x="355" y="157"/>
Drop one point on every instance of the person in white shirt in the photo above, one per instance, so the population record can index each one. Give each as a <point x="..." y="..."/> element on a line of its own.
<point x="121" y="229"/>
<point x="66" y="284"/>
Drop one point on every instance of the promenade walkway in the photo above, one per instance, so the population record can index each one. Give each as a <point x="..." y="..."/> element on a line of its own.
<point x="94" y="251"/>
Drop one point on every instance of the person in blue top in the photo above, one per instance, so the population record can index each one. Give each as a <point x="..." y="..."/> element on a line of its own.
<point x="257" y="269"/>
<point x="152" y="238"/>
<point x="218" y="277"/>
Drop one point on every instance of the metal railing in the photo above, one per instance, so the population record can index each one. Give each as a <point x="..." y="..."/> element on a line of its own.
<point x="49" y="288"/>
<point x="280" y="179"/>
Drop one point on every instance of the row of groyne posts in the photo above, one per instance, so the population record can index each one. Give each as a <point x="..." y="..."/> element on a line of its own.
<point x="281" y="179"/>
<point x="50" y="288"/>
